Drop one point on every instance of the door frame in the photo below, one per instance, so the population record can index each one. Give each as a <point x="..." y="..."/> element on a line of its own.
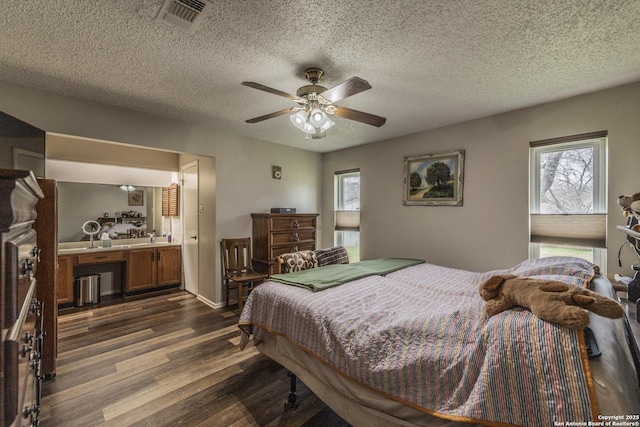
<point x="186" y="237"/>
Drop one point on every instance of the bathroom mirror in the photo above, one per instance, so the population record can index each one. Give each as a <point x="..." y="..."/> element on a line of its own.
<point x="108" y="206"/>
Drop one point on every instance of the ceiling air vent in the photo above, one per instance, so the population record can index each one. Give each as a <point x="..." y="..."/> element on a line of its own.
<point x="184" y="14"/>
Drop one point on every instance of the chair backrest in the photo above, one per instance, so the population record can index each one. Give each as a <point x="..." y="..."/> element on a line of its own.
<point x="236" y="255"/>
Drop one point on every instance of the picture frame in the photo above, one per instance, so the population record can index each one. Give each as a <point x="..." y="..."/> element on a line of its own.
<point x="434" y="179"/>
<point x="136" y="198"/>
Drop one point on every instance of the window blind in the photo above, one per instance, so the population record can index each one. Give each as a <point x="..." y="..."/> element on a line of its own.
<point x="584" y="230"/>
<point x="347" y="220"/>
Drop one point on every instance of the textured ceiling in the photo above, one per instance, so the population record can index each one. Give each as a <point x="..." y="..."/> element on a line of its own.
<point x="431" y="63"/>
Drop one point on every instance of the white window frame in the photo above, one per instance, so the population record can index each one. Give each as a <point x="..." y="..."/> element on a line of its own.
<point x="338" y="204"/>
<point x="599" y="146"/>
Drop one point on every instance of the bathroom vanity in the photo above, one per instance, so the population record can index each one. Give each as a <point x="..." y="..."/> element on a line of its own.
<point x="136" y="266"/>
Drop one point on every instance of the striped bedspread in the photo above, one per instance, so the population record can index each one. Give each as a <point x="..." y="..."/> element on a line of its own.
<point x="418" y="336"/>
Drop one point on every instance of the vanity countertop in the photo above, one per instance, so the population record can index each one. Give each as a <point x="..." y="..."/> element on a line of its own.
<point x="74" y="248"/>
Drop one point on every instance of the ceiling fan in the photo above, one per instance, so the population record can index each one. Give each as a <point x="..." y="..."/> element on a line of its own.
<point x="316" y="103"/>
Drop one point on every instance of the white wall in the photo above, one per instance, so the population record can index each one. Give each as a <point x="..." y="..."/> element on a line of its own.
<point x="491" y="229"/>
<point x="242" y="165"/>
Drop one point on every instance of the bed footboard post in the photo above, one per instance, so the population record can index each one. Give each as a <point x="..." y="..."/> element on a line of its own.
<point x="292" y="400"/>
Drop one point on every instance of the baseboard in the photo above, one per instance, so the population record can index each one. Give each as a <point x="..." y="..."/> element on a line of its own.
<point x="209" y="302"/>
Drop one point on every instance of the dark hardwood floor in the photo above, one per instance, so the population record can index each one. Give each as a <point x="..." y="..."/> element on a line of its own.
<point x="167" y="360"/>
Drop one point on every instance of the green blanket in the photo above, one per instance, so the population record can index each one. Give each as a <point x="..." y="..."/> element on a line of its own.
<point x="318" y="279"/>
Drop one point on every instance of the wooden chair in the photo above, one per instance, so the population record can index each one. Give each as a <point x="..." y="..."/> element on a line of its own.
<point x="237" y="269"/>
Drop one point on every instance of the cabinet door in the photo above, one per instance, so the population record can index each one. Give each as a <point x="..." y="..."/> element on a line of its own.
<point x="141" y="269"/>
<point x="65" y="279"/>
<point x="169" y="265"/>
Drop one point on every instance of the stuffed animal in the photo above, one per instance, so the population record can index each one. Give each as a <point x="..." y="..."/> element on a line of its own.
<point x="630" y="204"/>
<point x="553" y="301"/>
<point x="634" y="208"/>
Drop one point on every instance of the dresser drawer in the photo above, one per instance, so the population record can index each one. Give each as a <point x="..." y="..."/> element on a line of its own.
<point x="22" y="349"/>
<point x="292" y="237"/>
<point x="276" y="251"/>
<point x="292" y="223"/>
<point x="20" y="267"/>
<point x="109" y="256"/>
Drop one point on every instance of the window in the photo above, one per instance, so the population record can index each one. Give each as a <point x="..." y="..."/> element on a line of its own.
<point x="568" y="210"/>
<point x="347" y="212"/>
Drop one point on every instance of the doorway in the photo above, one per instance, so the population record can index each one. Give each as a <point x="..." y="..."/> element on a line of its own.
<point x="190" y="213"/>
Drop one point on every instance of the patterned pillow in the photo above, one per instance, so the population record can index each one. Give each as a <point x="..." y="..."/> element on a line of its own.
<point x="335" y="255"/>
<point x="298" y="261"/>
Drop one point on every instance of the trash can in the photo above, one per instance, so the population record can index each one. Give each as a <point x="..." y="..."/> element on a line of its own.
<point x="87" y="290"/>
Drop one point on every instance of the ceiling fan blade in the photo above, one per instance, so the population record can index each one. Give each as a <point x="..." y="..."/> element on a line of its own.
<point x="270" y="116"/>
<point x="359" y="116"/>
<point x="271" y="90"/>
<point x="346" y="88"/>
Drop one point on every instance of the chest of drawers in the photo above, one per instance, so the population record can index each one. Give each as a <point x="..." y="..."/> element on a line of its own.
<point x="275" y="234"/>
<point x="20" y="309"/>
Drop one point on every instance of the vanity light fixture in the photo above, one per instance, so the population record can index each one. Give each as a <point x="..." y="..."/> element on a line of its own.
<point x="127" y="187"/>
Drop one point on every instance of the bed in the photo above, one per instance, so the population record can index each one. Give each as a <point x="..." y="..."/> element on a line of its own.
<point x="410" y="346"/>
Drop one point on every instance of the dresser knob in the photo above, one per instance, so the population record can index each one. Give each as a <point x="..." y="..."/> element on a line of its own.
<point x="295" y="238"/>
<point x="36" y="253"/>
<point x="25" y="350"/>
<point x="27" y="266"/>
<point x="35" y="307"/>
<point x="28" y="410"/>
<point x="295" y="224"/>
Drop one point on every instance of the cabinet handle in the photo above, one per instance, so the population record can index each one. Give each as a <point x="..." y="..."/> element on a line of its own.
<point x="35" y="307"/>
<point x="29" y="410"/>
<point x="295" y="224"/>
<point x="27" y="266"/>
<point x="295" y="238"/>
<point x="36" y="253"/>
<point x="25" y="350"/>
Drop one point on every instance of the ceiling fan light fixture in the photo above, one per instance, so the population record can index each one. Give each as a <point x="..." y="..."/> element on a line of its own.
<point x="317" y="117"/>
<point x="326" y="125"/>
<point x="300" y="120"/>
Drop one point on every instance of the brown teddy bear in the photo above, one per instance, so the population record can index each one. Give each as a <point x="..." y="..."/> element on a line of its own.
<point x="553" y="301"/>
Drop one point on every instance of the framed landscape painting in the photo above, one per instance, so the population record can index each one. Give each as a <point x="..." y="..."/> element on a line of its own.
<point x="434" y="179"/>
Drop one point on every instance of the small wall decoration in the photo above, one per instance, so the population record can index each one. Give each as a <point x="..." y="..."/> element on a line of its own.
<point x="434" y="179"/>
<point x="136" y="198"/>
<point x="276" y="172"/>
